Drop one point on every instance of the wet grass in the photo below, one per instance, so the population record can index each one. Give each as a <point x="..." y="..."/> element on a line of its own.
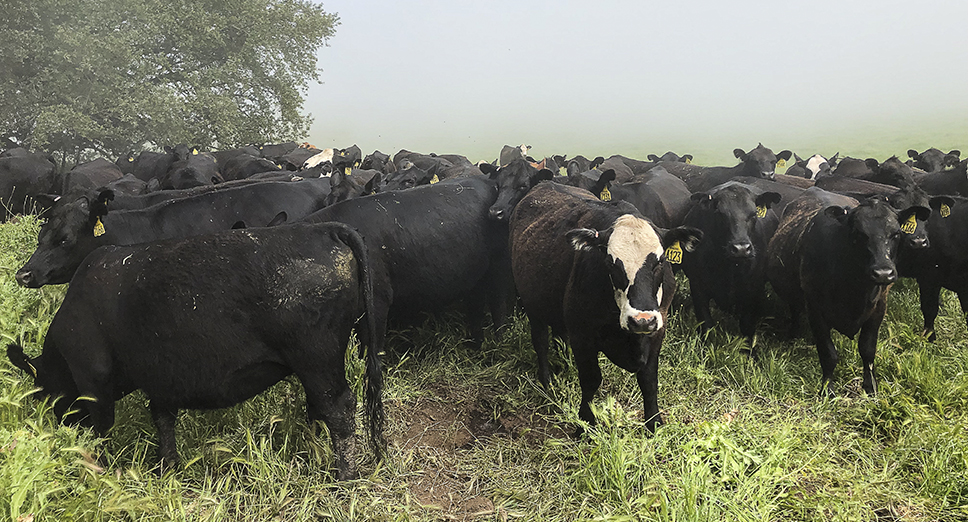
<point x="473" y="436"/>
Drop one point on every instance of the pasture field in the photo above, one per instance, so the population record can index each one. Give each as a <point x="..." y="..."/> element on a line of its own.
<point x="473" y="436"/>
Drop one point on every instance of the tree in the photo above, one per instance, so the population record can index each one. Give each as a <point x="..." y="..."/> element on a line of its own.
<point x="101" y="77"/>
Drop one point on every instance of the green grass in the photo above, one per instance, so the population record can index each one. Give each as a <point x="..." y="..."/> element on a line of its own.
<point x="473" y="436"/>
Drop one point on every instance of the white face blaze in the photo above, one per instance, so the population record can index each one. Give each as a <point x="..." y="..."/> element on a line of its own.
<point x="813" y="165"/>
<point x="632" y="241"/>
<point x="524" y="150"/>
<point x="322" y="157"/>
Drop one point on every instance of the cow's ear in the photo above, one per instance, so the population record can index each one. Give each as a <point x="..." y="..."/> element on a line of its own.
<point x="686" y="158"/>
<point x="920" y="213"/>
<point x="913" y="154"/>
<point x="767" y="199"/>
<point x="373" y="186"/>
<point x="336" y="178"/>
<point x="16" y="355"/>
<point x="956" y="153"/>
<point x="687" y="237"/>
<point x="836" y="212"/>
<point x="488" y="170"/>
<point x="784" y="155"/>
<point x="872" y="164"/>
<point x="701" y="198"/>
<point x="596" y="162"/>
<point x="99" y="207"/>
<point x="833" y="160"/>
<point x="939" y="204"/>
<point x="797" y="158"/>
<point x="45" y="201"/>
<point x="740" y="155"/>
<point x="542" y="175"/>
<point x="168" y="149"/>
<point x="586" y="239"/>
<point x="653" y="157"/>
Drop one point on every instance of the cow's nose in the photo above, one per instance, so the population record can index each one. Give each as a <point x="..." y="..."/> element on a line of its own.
<point x="740" y="249"/>
<point x="644" y="322"/>
<point x="883" y="276"/>
<point x="25" y="278"/>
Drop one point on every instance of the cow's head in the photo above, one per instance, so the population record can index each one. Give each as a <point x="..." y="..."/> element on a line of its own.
<point x="594" y="181"/>
<point x="66" y="237"/>
<point x="873" y="230"/>
<point x="892" y="172"/>
<point x="915" y="228"/>
<point x="514" y="180"/>
<point x="409" y="176"/>
<point x="761" y="162"/>
<point x="933" y="160"/>
<point x="642" y="279"/>
<point x="343" y="186"/>
<point x="52" y="376"/>
<point x="671" y="156"/>
<point x="728" y="218"/>
<point x="818" y="167"/>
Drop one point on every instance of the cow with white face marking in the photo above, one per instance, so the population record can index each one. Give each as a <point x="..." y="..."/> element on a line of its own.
<point x="815" y="167"/>
<point x="596" y="272"/>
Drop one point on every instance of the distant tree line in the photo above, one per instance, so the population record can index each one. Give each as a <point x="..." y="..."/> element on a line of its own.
<point x="85" y="78"/>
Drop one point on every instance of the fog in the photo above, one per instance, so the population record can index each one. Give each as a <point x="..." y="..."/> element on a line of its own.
<point x="596" y="78"/>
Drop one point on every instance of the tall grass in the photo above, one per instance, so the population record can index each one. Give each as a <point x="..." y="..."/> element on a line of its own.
<point x="474" y="436"/>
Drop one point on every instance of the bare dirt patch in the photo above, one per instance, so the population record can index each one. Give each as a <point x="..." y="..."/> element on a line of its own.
<point x="439" y="432"/>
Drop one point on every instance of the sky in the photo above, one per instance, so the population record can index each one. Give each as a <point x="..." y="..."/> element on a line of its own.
<point x="638" y="77"/>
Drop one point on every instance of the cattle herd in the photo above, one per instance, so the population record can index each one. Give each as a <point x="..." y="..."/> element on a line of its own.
<point x="204" y="278"/>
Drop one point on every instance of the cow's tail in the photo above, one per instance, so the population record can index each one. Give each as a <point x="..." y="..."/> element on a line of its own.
<point x="373" y="391"/>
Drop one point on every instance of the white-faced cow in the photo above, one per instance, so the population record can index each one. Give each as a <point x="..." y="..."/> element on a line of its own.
<point x="597" y="272"/>
<point x="839" y="263"/>
<point x="210" y="321"/>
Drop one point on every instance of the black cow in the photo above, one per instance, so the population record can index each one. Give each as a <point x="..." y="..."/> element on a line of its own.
<point x="377" y="161"/>
<point x="197" y="169"/>
<point x="296" y="158"/>
<point x="950" y="181"/>
<point x="670" y="156"/>
<point x="271" y="151"/>
<point x="933" y="160"/>
<point x="597" y="272"/>
<point x="944" y="262"/>
<point x="891" y="172"/>
<point x="623" y="173"/>
<point x="243" y="166"/>
<point x="580" y="164"/>
<point x="409" y="175"/>
<point x="838" y="262"/>
<point x="430" y="247"/>
<point x="757" y="163"/>
<point x="147" y="165"/>
<point x="76" y="226"/>
<point x="230" y="315"/>
<point x="355" y="184"/>
<point x="222" y="156"/>
<point x="787" y="192"/>
<point x="661" y="197"/>
<point x="729" y="265"/>
<point x="21" y="179"/>
<point x="89" y="175"/>
<point x="514" y="181"/>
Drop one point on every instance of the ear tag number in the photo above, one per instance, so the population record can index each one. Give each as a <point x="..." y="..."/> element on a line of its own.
<point x="674" y="253"/>
<point x="909" y="225"/>
<point x="605" y="195"/>
<point x="780" y="163"/>
<point x="945" y="210"/>
<point x="434" y="179"/>
<point x="98" y="228"/>
<point x="761" y="211"/>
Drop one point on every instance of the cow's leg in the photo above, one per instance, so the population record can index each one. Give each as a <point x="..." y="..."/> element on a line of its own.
<point x="929" y="294"/>
<point x="700" y="305"/>
<point x="963" y="299"/>
<point x="539" y="339"/>
<point x="825" y="350"/>
<point x="330" y="399"/>
<point x="648" y="379"/>
<point x="164" y="418"/>
<point x="589" y="377"/>
<point x="867" y="345"/>
<point x="796" y="312"/>
<point x="476" y="304"/>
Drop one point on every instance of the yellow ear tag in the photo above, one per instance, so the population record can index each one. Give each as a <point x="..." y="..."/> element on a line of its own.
<point x="674" y="253"/>
<point x="130" y="159"/>
<point x="347" y="170"/>
<point x="945" y="210"/>
<point x="562" y="171"/>
<point x="909" y="225"/>
<point x="761" y="211"/>
<point x="780" y="163"/>
<point x="688" y="161"/>
<point x="605" y="195"/>
<point x="194" y="152"/>
<point x="434" y="179"/>
<point x="98" y="228"/>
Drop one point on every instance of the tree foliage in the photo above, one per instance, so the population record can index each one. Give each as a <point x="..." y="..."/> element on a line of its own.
<point x="83" y="77"/>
